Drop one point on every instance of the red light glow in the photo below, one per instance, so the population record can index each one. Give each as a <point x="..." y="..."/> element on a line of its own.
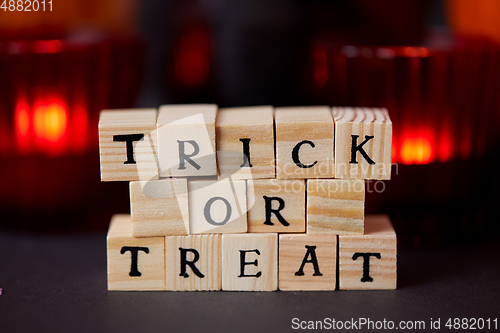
<point x="416" y="150"/>
<point x="192" y="57"/>
<point x="320" y="66"/>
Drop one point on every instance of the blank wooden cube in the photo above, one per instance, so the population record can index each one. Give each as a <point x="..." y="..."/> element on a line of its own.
<point x="193" y="262"/>
<point x="304" y="142"/>
<point x="245" y="142"/>
<point x="276" y="205"/>
<point x="127" y="145"/>
<point x="369" y="261"/>
<point x="335" y="206"/>
<point x="363" y="143"/>
<point x="307" y="262"/>
<point x="217" y="206"/>
<point x="250" y="262"/>
<point x="186" y="140"/>
<point x="134" y="263"/>
<point x="159" y="207"/>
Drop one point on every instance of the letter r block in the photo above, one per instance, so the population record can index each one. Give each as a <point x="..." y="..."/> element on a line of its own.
<point x="363" y="143"/>
<point x="304" y="142"/>
<point x="307" y="262"/>
<point x="250" y="262"/>
<point x="369" y="261"/>
<point x="127" y="145"/>
<point x="186" y="140"/>
<point x="193" y="262"/>
<point x="134" y="263"/>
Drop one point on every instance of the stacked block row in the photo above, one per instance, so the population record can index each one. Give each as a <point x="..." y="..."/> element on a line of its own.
<point x="196" y="172"/>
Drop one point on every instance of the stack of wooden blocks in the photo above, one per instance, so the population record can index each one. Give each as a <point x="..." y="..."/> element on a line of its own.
<point x="250" y="199"/>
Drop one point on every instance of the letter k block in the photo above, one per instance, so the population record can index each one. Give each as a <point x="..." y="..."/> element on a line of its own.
<point x="363" y="143"/>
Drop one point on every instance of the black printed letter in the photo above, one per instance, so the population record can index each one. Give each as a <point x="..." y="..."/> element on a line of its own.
<point x="243" y="263"/>
<point x="311" y="251"/>
<point x="246" y="153"/>
<point x="269" y="210"/>
<point x="134" y="250"/>
<point x="295" y="154"/>
<point x="208" y="215"/>
<point x="366" y="264"/>
<point x="129" y="138"/>
<point x="355" y="148"/>
<point x="183" y="157"/>
<point x="185" y="262"/>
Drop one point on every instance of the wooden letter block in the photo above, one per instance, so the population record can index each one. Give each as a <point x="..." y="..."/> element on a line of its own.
<point x="186" y="140"/>
<point x="335" y="206"/>
<point x="304" y="143"/>
<point x="250" y="262"/>
<point x="245" y="142"/>
<point x="276" y="205"/>
<point x="363" y="143"/>
<point x="159" y="208"/>
<point x="127" y="145"/>
<point x="193" y="262"/>
<point x="307" y="262"/>
<point x="369" y="261"/>
<point x="217" y="206"/>
<point x="134" y="263"/>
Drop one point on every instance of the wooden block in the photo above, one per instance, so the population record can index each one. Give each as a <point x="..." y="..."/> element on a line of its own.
<point x="245" y="142"/>
<point x="250" y="262"/>
<point x="276" y="205"/>
<point x="134" y="263"/>
<point x="159" y="208"/>
<point x="127" y="145"/>
<point x="307" y="262"/>
<point x="363" y="143"/>
<point x="186" y="140"/>
<point x="304" y="142"/>
<point x="369" y="261"/>
<point x="217" y="206"/>
<point x="193" y="262"/>
<point x="335" y="206"/>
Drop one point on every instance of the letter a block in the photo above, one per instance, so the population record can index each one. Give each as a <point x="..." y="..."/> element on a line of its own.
<point x="304" y="143"/>
<point x="369" y="261"/>
<point x="250" y="262"/>
<point x="363" y="143"/>
<point x="335" y="206"/>
<point x="307" y="262"/>
<point x="159" y="207"/>
<point x="127" y="145"/>
<point x="217" y="206"/>
<point x="193" y="262"/>
<point x="186" y="140"/>
<point x="134" y="263"/>
<point x="245" y="142"/>
<point x="276" y="205"/>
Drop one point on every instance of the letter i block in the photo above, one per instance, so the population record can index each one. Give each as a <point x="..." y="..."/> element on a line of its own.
<point x="127" y="145"/>
<point x="159" y="207"/>
<point x="307" y="262"/>
<point x="134" y="263"/>
<point x="245" y="142"/>
<point x="363" y="143"/>
<point x="186" y="140"/>
<point x="250" y="262"/>
<point x="217" y="206"/>
<point x="369" y="261"/>
<point x="276" y="205"/>
<point x="304" y="142"/>
<point x="193" y="262"/>
<point x="335" y="206"/>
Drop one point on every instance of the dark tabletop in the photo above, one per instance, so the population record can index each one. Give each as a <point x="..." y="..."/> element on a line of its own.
<point x="58" y="284"/>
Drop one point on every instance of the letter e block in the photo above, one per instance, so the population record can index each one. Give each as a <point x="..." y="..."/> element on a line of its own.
<point x="276" y="205"/>
<point x="193" y="262"/>
<point x="369" y="261"/>
<point x="307" y="262"/>
<point x="186" y="140"/>
<point x="127" y="145"/>
<point x="134" y="263"/>
<point x="250" y="262"/>
<point x="363" y="143"/>
<point x="217" y="206"/>
<point x="159" y="207"/>
<point x="245" y="142"/>
<point x="304" y="142"/>
<point x="335" y="206"/>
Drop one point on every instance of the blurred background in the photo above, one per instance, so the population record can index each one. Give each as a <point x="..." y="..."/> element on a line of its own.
<point x="434" y="64"/>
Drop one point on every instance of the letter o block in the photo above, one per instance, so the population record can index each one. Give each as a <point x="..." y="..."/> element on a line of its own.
<point x="250" y="262"/>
